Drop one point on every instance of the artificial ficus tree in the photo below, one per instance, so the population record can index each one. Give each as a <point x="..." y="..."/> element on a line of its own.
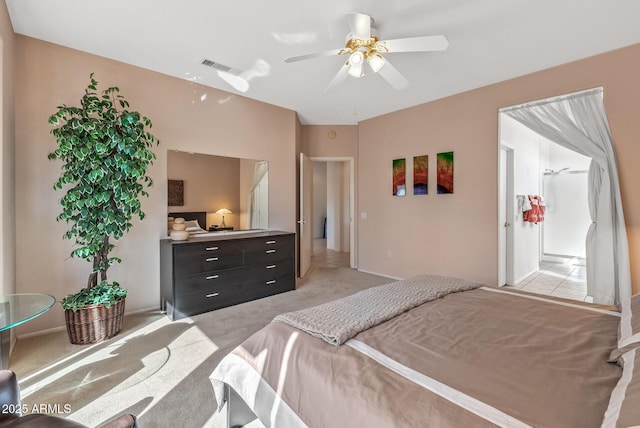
<point x="106" y="150"/>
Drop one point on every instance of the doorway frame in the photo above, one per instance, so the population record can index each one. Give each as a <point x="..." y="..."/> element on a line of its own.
<point x="352" y="229"/>
<point x="507" y="246"/>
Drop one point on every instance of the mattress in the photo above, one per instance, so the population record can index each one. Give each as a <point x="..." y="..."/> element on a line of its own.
<point x="481" y="357"/>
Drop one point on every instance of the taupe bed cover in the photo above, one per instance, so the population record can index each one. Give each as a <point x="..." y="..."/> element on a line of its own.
<point x="484" y="357"/>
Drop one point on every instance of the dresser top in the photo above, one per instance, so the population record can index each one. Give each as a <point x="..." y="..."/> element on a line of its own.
<point x="227" y="235"/>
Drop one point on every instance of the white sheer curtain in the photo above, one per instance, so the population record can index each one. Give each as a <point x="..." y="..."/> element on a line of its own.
<point x="257" y="196"/>
<point x="579" y="122"/>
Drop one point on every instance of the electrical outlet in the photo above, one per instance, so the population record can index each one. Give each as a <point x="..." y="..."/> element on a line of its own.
<point x="389" y="253"/>
<point x="363" y="215"/>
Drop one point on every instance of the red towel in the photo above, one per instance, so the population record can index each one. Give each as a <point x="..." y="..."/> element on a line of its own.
<point x="536" y="213"/>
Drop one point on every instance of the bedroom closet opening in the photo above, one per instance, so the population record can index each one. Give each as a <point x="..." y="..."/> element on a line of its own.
<point x="560" y="202"/>
<point x="332" y="208"/>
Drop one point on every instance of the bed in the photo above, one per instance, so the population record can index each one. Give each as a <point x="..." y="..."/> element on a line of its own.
<point x="196" y="220"/>
<point x="438" y="351"/>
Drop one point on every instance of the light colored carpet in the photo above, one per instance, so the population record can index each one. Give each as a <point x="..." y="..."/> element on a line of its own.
<point x="155" y="368"/>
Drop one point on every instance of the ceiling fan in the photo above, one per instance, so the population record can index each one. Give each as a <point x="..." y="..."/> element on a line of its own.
<point x="363" y="46"/>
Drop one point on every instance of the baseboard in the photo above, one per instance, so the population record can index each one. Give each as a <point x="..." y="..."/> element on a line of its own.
<point x="379" y="274"/>
<point x="63" y="328"/>
<point x="41" y="332"/>
<point x="519" y="280"/>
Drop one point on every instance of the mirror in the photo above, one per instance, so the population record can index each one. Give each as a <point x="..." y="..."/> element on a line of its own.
<point x="210" y="183"/>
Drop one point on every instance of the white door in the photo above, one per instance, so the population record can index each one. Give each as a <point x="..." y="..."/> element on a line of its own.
<point x="505" y="217"/>
<point x="502" y="220"/>
<point x="306" y="234"/>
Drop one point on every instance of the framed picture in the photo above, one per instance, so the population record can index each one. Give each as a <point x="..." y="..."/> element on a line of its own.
<point x="421" y="175"/>
<point x="399" y="177"/>
<point x="444" y="169"/>
<point x="176" y="193"/>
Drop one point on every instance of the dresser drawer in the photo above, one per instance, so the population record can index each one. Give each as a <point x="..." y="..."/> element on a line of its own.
<point x="268" y="271"/>
<point x="208" y="300"/>
<point x="262" y="287"/>
<point x="269" y="250"/>
<point x="208" y="280"/>
<point x="206" y="257"/>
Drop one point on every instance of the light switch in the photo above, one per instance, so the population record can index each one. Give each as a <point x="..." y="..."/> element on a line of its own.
<point x="363" y="215"/>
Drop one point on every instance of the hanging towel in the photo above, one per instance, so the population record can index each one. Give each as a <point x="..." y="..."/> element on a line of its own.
<point x="541" y="208"/>
<point x="536" y="213"/>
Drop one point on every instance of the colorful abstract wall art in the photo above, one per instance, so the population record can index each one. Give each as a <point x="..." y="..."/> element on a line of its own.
<point x="399" y="177"/>
<point x="444" y="169"/>
<point x="421" y="175"/>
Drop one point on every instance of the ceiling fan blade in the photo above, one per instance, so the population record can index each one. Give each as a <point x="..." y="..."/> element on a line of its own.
<point x="417" y="44"/>
<point x="360" y="25"/>
<point x="393" y="76"/>
<point x="339" y="78"/>
<point x="312" y="55"/>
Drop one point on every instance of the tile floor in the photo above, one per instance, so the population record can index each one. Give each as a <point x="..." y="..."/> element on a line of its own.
<point x="567" y="279"/>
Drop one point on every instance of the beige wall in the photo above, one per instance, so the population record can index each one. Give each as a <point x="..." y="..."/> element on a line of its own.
<point x="186" y="116"/>
<point x="456" y="234"/>
<point x="7" y="140"/>
<point x="317" y="143"/>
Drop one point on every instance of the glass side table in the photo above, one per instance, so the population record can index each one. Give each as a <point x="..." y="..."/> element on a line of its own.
<point x="16" y="309"/>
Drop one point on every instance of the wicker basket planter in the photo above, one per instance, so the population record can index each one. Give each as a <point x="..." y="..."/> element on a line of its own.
<point x="94" y="323"/>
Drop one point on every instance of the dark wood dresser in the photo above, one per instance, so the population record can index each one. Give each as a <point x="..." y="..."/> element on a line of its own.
<point x="204" y="274"/>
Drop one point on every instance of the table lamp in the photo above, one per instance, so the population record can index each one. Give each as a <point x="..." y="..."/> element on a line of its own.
<point x="222" y="212"/>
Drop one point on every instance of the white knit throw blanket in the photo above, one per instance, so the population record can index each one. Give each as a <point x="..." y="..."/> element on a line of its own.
<point x="337" y="321"/>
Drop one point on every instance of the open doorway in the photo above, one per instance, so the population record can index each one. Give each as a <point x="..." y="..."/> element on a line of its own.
<point x="578" y="122"/>
<point x="332" y="212"/>
<point x="547" y="256"/>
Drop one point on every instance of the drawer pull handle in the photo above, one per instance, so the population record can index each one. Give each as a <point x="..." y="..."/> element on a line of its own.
<point x="271" y="266"/>
<point x="270" y="251"/>
<point x="213" y="277"/>
<point x="212" y="295"/>
<point x="273" y="281"/>
<point x="211" y="248"/>
<point x="270" y="242"/>
<point x="212" y="259"/>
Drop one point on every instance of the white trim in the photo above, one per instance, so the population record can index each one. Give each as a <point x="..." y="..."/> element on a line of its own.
<point x="461" y="399"/>
<point x="380" y="274"/>
<point x="41" y="332"/>
<point x="555" y="302"/>
<point x="617" y="395"/>
<point x="629" y="340"/>
<point x="528" y="274"/>
<point x="63" y="327"/>
<point x="506" y="247"/>
<point x="254" y="390"/>
<point x="626" y="331"/>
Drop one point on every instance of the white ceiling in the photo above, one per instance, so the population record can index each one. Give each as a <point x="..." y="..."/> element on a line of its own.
<point x="490" y="41"/>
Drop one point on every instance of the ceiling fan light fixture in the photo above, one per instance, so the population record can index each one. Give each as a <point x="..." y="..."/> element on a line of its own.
<point x="364" y="44"/>
<point x="376" y="62"/>
<point x="355" y="71"/>
<point x="355" y="64"/>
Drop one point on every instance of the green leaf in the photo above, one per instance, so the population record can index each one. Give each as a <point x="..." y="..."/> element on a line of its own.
<point x="104" y="293"/>
<point x="105" y="150"/>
